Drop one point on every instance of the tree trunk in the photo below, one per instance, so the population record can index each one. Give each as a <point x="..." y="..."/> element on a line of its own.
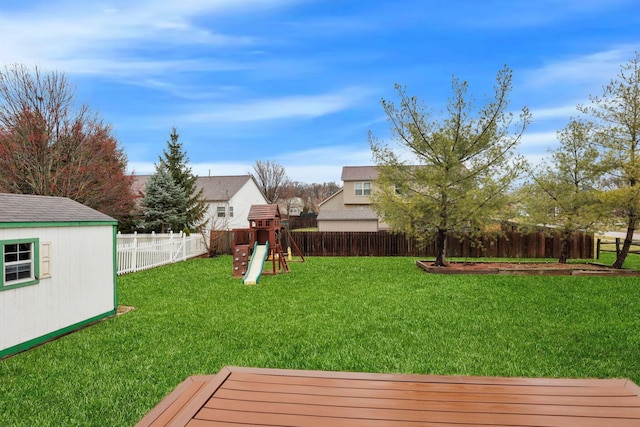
<point x="622" y="255"/>
<point x="564" y="248"/>
<point x="441" y="248"/>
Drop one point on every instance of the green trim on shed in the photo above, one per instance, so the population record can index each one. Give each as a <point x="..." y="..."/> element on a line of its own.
<point x="53" y="335"/>
<point x="115" y="267"/>
<point x="56" y="224"/>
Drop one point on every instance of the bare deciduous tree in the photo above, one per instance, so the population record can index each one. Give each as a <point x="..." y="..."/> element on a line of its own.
<point x="271" y="178"/>
<point x="315" y="193"/>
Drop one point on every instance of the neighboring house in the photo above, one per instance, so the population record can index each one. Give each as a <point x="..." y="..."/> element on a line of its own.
<point x="58" y="269"/>
<point x="229" y="198"/>
<point x="291" y="207"/>
<point x="349" y="209"/>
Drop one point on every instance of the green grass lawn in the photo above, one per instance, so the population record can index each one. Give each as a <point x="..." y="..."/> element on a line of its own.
<point x="345" y="314"/>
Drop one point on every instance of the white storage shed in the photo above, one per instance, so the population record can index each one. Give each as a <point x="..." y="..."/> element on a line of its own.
<point x="58" y="266"/>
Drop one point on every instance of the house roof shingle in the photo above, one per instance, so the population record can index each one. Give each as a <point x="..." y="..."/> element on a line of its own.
<point x="29" y="208"/>
<point x="215" y="188"/>
<point x="221" y="188"/>
<point x="357" y="173"/>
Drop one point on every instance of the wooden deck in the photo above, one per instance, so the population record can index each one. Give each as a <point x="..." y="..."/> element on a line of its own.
<point x="274" y="397"/>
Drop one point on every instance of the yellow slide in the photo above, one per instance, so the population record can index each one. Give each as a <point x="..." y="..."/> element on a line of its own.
<point x="256" y="263"/>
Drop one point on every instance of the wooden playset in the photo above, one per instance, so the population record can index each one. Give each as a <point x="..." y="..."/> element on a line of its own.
<point x="261" y="242"/>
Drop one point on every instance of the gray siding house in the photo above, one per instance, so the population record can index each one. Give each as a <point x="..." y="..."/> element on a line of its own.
<point x="349" y="209"/>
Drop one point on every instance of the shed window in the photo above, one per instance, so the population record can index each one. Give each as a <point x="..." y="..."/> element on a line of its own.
<point x="230" y="211"/>
<point x="363" y="188"/>
<point x="19" y="262"/>
<point x="221" y="211"/>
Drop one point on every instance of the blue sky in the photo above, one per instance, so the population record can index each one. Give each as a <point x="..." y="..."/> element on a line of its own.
<point x="300" y="81"/>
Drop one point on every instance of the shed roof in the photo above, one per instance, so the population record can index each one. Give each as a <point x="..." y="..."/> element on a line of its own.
<point x="263" y="212"/>
<point x="355" y="173"/>
<point x="29" y="208"/>
<point x="348" y="215"/>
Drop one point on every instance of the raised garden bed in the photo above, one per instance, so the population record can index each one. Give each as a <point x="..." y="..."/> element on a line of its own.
<point x="525" y="269"/>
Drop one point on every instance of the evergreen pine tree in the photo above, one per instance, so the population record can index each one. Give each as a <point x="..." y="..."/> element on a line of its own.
<point x="175" y="160"/>
<point x="163" y="203"/>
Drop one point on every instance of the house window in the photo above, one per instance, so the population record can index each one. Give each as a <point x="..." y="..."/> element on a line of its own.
<point x="19" y="262"/>
<point x="230" y="211"/>
<point x="363" y="188"/>
<point x="221" y="212"/>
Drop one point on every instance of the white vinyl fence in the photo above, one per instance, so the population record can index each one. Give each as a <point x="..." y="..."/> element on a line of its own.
<point x="142" y="251"/>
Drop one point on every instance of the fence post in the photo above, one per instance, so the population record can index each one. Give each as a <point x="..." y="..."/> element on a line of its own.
<point x="617" y="246"/>
<point x="184" y="246"/>
<point x="134" y="255"/>
<point x="598" y="249"/>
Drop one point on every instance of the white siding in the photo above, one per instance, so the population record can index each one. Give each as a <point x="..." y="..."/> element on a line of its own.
<point x="249" y="194"/>
<point x="216" y="223"/>
<point x="81" y="285"/>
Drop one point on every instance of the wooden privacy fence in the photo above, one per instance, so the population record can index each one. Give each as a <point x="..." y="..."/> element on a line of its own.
<point x="511" y="244"/>
<point x="220" y="242"/>
<point x="301" y="222"/>
<point x="137" y="252"/>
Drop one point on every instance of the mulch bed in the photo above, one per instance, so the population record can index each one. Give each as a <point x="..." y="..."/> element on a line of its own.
<point x="525" y="269"/>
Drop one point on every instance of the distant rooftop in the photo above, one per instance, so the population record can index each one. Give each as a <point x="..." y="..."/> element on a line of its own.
<point x="214" y="188"/>
<point x="356" y="173"/>
<point x="221" y="187"/>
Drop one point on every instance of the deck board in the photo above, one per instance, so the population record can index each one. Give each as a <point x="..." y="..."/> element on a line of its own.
<point x="270" y="397"/>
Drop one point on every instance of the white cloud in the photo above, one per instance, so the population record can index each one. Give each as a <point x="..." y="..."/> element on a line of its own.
<point x="140" y="168"/>
<point x="122" y="67"/>
<point x="221" y="168"/>
<point x="561" y="112"/>
<point x="536" y="140"/>
<point x="592" y="70"/>
<point x="308" y="173"/>
<point x="352" y="155"/>
<point x="301" y="106"/>
<point x="314" y="165"/>
<point x="81" y="37"/>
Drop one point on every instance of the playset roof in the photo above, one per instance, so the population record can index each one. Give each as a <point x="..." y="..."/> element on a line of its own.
<point x="263" y="212"/>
